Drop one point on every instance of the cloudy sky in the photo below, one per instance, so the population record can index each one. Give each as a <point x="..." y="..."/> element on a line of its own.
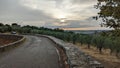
<point x="67" y="14"/>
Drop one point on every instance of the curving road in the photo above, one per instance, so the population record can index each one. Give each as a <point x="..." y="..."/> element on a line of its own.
<point x="36" y="52"/>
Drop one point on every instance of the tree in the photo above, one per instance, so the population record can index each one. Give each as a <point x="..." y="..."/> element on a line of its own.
<point x="100" y="43"/>
<point x="109" y="44"/>
<point x="117" y="46"/>
<point x="88" y="39"/>
<point x="14" y="24"/>
<point x="15" y="27"/>
<point x="25" y="30"/>
<point x="1" y="24"/>
<point x="9" y="29"/>
<point x="81" y="39"/>
<point x="109" y="12"/>
<point x="74" y="38"/>
<point x="1" y="27"/>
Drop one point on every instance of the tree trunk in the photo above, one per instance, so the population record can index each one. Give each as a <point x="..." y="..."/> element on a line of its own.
<point x="117" y="54"/>
<point x="81" y="43"/>
<point x="88" y="46"/>
<point x="111" y="51"/>
<point x="100" y="50"/>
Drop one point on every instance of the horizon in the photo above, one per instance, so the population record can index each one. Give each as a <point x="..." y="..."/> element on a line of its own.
<point x="69" y="29"/>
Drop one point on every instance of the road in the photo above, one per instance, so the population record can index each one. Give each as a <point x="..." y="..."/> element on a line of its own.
<point x="36" y="52"/>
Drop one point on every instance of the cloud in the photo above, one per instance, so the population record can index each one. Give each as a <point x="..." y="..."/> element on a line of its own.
<point x="48" y="13"/>
<point x="13" y="10"/>
<point x="67" y="8"/>
<point x="84" y="1"/>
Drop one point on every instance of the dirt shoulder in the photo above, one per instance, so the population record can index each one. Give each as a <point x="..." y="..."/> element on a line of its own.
<point x="109" y="61"/>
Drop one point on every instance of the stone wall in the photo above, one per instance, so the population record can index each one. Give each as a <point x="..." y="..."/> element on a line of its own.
<point x="75" y="57"/>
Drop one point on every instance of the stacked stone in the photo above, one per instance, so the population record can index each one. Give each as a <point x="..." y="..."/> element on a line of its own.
<point x="77" y="58"/>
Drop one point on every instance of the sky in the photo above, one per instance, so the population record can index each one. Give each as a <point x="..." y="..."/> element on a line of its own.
<point x="65" y="14"/>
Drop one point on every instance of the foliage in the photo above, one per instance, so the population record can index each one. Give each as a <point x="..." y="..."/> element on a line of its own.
<point x="109" y="12"/>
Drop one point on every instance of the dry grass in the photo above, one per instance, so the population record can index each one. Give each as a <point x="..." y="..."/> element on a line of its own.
<point x="109" y="61"/>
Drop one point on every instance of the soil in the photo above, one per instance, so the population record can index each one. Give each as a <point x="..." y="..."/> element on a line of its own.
<point x="5" y="41"/>
<point x="109" y="61"/>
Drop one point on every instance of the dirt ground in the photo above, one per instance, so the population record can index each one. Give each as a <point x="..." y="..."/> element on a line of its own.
<point x="109" y="61"/>
<point x="4" y="41"/>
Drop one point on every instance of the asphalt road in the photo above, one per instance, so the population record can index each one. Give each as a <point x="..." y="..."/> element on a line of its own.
<point x="36" y="52"/>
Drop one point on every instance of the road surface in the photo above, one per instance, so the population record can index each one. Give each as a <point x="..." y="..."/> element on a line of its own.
<point x="36" y="52"/>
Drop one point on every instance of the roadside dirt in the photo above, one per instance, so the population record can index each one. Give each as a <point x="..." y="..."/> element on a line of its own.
<point x="63" y="58"/>
<point x="109" y="61"/>
<point x="5" y="41"/>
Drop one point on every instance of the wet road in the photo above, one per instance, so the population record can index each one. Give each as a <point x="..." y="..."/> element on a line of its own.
<point x="36" y="52"/>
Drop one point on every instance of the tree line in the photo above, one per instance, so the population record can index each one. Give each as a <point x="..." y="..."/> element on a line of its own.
<point x="103" y="40"/>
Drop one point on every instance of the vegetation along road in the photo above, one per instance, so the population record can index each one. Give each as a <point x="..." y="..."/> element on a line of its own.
<point x="36" y="52"/>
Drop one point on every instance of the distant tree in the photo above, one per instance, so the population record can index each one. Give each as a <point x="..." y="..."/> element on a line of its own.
<point x="109" y="44"/>
<point x="14" y="24"/>
<point x="1" y="24"/>
<point x="25" y="29"/>
<point x="74" y="38"/>
<point x="117" y="46"/>
<point x="88" y="39"/>
<point x="81" y="39"/>
<point x="1" y="27"/>
<point x="100" y="43"/>
<point x="58" y="29"/>
<point x="8" y="28"/>
<point x="15" y="27"/>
